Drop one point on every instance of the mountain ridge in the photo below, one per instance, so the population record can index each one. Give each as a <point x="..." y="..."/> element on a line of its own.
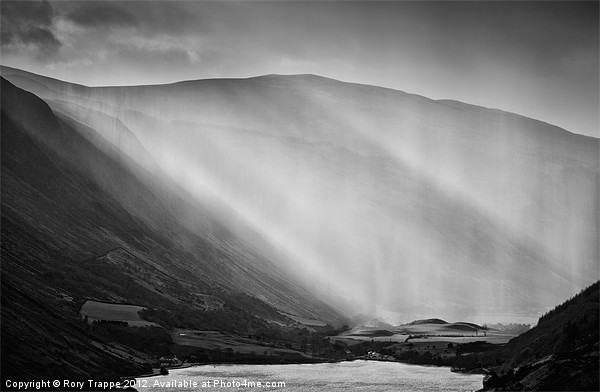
<point x="11" y="71"/>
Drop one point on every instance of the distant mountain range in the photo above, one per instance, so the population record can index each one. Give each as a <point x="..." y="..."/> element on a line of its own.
<point x="321" y="199"/>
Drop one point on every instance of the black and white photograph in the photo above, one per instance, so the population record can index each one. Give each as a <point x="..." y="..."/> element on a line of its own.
<point x="300" y="195"/>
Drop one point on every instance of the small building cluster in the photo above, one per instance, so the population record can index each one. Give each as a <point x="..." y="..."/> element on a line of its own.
<point x="169" y="361"/>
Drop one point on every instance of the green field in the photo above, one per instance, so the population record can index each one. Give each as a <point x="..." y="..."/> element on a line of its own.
<point x="96" y="311"/>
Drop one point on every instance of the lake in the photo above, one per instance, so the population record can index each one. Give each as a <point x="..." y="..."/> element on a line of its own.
<point x="342" y="376"/>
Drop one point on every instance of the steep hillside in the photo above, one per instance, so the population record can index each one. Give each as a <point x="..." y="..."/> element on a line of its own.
<point x="376" y="198"/>
<point x="561" y="353"/>
<point x="82" y="221"/>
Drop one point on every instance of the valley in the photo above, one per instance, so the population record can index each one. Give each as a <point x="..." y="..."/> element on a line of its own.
<point x="149" y="222"/>
<point x="382" y="196"/>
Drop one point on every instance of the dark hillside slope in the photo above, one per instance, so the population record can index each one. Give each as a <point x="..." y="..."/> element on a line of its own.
<point x="53" y="217"/>
<point x="559" y="354"/>
<point x="70" y="232"/>
<point x="565" y="327"/>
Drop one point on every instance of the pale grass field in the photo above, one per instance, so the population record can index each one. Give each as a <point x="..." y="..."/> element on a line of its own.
<point x="114" y="312"/>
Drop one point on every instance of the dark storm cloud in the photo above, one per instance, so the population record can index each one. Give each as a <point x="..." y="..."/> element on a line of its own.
<point x="101" y="14"/>
<point x="28" y="25"/>
<point x="173" y="18"/>
<point x="146" y="18"/>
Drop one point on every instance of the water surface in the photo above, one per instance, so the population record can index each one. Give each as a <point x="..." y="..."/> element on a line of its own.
<point x="343" y="376"/>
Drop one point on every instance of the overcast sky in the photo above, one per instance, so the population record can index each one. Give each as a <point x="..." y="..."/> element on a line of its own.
<point x="539" y="59"/>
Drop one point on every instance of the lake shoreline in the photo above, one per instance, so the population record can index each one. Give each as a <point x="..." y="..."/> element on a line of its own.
<point x="322" y="361"/>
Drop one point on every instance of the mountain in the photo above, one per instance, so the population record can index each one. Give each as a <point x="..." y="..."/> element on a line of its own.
<point x="273" y="206"/>
<point x="373" y="198"/>
<point x="81" y="220"/>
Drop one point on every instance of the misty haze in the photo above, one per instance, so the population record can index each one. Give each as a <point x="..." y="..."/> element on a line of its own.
<point x="291" y="217"/>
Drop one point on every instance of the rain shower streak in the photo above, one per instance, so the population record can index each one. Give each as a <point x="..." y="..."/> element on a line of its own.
<point x="373" y="198"/>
